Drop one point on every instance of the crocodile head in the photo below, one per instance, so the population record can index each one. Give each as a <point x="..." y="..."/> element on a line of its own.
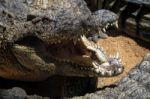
<point x="66" y="56"/>
<point x="100" y="21"/>
<point x="52" y="41"/>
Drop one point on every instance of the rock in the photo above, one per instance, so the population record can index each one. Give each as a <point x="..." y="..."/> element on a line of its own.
<point x="17" y="93"/>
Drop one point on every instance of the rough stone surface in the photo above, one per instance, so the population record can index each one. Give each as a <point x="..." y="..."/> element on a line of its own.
<point x="18" y="93"/>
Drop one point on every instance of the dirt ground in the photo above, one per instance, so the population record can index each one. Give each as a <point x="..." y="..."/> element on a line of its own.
<point x="131" y="52"/>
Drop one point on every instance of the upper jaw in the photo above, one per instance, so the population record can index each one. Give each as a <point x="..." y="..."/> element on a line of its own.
<point x="102" y="18"/>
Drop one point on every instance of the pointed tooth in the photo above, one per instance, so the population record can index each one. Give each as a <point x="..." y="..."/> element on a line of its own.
<point x="86" y="56"/>
<point x="116" y="24"/>
<point x="94" y="65"/>
<point x="107" y="25"/>
<point x="119" y="60"/>
<point x="105" y="64"/>
<point x="102" y="48"/>
<point x="99" y="31"/>
<point x="84" y="40"/>
<point x="103" y="29"/>
<point x="81" y="68"/>
<point x="117" y="55"/>
<point x="91" y="48"/>
<point x="97" y="70"/>
<point x="120" y="70"/>
<point x="100" y="56"/>
<point x="102" y="73"/>
<point x="110" y="73"/>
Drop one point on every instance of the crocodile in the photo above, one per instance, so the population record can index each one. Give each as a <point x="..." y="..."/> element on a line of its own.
<point x="134" y="15"/>
<point x="42" y="38"/>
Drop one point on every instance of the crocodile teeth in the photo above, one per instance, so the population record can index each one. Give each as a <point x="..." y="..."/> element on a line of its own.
<point x="93" y="47"/>
<point x="117" y="55"/>
<point x="97" y="70"/>
<point x="86" y="43"/>
<point x="100" y="56"/>
<point x="102" y="49"/>
<point x="86" y="56"/>
<point x="119" y="60"/>
<point x="120" y="70"/>
<point x="116" y="24"/>
<point x="105" y="64"/>
<point x="104" y="30"/>
<point x="107" y="25"/>
<point x="110" y="73"/>
<point x="103" y="73"/>
<point x="94" y="64"/>
<point x="81" y="68"/>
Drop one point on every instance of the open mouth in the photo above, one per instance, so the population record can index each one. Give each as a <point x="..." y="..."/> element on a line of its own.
<point x="81" y="55"/>
<point x="109" y="25"/>
<point x="101" y="21"/>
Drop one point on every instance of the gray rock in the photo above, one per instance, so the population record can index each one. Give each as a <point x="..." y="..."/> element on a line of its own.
<point x="17" y="93"/>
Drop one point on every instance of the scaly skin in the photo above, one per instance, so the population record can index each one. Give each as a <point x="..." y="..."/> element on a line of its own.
<point x="45" y="38"/>
<point x="134" y="16"/>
